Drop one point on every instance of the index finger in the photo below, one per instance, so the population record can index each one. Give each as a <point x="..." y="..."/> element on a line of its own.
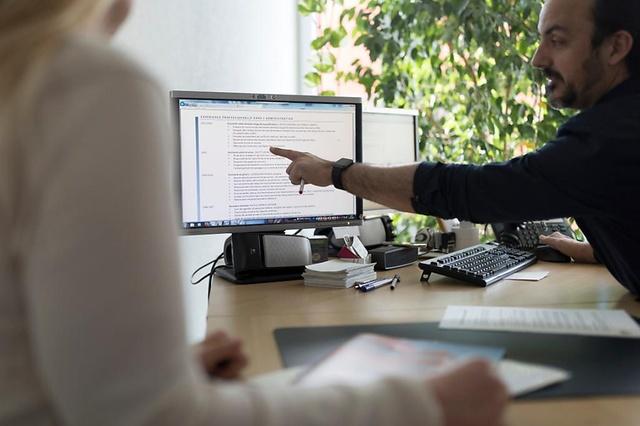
<point x="287" y="153"/>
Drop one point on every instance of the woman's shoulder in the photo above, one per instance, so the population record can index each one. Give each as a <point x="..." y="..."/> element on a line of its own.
<point x="87" y="84"/>
<point x="82" y="60"/>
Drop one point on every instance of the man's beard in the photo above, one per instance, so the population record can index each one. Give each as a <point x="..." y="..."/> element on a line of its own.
<point x="572" y="96"/>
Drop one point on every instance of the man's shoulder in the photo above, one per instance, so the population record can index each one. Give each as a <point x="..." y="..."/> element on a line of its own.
<point x="621" y="114"/>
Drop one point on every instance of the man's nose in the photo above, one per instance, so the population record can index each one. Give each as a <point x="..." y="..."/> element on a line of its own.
<point x="540" y="58"/>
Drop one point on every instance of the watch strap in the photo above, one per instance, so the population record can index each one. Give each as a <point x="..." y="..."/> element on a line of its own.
<point x="336" y="171"/>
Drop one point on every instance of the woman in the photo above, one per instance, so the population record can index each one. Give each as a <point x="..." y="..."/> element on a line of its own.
<point x="91" y="324"/>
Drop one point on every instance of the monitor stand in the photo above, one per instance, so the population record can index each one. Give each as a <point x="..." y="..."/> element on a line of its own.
<point x="244" y="256"/>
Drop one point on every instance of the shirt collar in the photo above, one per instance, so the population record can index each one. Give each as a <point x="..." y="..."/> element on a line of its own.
<point x="628" y="87"/>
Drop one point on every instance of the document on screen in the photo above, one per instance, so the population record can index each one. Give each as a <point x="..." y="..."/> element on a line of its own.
<point x="228" y="172"/>
<point x="590" y="322"/>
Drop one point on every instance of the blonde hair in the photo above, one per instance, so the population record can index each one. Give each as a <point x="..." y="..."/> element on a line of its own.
<point x="30" y="33"/>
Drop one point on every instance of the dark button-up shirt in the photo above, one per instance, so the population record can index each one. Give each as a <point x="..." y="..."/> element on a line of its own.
<point x="590" y="171"/>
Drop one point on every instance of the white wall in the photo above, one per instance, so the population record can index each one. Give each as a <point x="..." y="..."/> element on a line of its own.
<point x="215" y="45"/>
<point x="224" y="45"/>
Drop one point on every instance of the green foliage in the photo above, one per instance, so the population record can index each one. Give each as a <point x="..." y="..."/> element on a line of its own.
<point x="465" y="65"/>
<point x="406" y="225"/>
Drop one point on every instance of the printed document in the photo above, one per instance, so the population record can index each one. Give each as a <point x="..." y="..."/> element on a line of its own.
<point x="520" y="378"/>
<point x="590" y="322"/>
<point x="367" y="358"/>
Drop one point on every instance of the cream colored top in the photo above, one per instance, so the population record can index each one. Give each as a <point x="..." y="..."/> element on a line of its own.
<point x="92" y="327"/>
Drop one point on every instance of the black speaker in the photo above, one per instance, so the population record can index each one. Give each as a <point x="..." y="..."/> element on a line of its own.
<point x="263" y="257"/>
<point x="390" y="257"/>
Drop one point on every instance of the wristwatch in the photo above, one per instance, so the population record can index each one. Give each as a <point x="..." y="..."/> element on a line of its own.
<point x="338" y="168"/>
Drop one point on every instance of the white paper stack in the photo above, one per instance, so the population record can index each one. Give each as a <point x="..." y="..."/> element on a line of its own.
<point x="338" y="273"/>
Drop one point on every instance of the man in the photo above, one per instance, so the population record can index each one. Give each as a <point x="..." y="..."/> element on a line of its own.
<point x="111" y="349"/>
<point x="590" y="53"/>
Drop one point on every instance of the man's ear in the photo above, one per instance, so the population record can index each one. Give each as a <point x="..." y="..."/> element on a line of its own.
<point x="620" y="44"/>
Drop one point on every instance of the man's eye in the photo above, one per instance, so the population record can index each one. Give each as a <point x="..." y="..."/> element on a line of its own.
<point x="557" y="43"/>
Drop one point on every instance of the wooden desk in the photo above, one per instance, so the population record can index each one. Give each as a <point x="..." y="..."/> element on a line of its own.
<point x="253" y="312"/>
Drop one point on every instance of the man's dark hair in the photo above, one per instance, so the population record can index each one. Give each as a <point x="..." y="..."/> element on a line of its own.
<point x="611" y="16"/>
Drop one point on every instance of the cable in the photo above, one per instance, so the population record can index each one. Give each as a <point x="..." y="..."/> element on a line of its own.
<point x="200" y="269"/>
<point x="213" y="264"/>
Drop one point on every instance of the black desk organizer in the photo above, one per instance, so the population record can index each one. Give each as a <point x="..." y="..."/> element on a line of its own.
<point x="599" y="365"/>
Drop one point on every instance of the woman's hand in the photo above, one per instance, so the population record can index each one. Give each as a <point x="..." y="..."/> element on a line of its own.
<point x="470" y="394"/>
<point x="221" y="356"/>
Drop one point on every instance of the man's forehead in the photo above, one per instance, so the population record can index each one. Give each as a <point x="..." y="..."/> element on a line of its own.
<point x="565" y="15"/>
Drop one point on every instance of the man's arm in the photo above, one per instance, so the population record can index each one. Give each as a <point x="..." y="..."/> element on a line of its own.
<point x="579" y="251"/>
<point x="561" y="179"/>
<point x="389" y="186"/>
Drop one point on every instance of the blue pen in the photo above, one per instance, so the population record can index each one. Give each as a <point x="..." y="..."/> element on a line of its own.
<point x="376" y="284"/>
<point x="361" y="284"/>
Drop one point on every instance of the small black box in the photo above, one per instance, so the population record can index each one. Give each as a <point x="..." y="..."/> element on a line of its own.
<point x="390" y="257"/>
<point x="319" y="248"/>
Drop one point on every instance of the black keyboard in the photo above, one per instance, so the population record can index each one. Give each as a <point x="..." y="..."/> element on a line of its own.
<point x="528" y="232"/>
<point x="483" y="264"/>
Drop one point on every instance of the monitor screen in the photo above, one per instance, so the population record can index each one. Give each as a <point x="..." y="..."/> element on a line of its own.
<point x="229" y="180"/>
<point x="389" y="137"/>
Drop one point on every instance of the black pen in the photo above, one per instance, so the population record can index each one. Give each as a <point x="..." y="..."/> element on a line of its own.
<point x="395" y="281"/>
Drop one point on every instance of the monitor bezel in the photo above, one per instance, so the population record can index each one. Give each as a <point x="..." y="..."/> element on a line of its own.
<point x="176" y="95"/>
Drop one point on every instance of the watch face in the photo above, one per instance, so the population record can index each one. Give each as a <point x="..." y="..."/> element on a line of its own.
<point x="344" y="162"/>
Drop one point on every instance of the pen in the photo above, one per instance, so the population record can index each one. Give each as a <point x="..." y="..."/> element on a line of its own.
<point x="394" y="281"/>
<point x="301" y="186"/>
<point x="375" y="284"/>
<point x="364" y="283"/>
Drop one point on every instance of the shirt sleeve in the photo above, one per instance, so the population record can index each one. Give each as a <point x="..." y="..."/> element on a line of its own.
<point x="560" y="179"/>
<point x="101" y="281"/>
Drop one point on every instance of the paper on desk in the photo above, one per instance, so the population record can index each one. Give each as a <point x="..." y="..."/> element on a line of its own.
<point x="338" y="266"/>
<point x="367" y="358"/>
<point x="528" y="276"/>
<point x="590" y="322"/>
<point x="521" y="378"/>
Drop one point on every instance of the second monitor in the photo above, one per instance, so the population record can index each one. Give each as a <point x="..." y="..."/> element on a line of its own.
<point x="389" y="137"/>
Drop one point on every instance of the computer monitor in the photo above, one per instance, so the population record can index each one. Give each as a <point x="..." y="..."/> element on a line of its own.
<point x="389" y="137"/>
<point x="231" y="183"/>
